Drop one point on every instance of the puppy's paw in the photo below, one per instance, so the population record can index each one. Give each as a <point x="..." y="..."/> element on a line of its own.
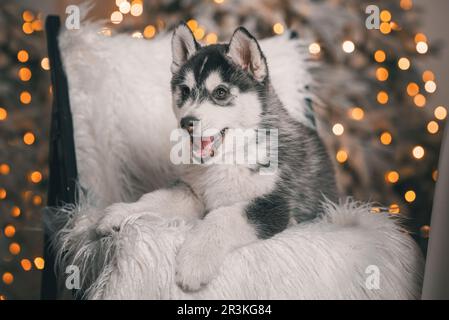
<point x="196" y="265"/>
<point x="112" y="219"/>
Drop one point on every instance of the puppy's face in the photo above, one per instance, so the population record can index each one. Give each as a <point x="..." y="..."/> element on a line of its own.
<point x="217" y="87"/>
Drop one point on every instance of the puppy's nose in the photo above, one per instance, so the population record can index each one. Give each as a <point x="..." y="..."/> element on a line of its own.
<point x="187" y="123"/>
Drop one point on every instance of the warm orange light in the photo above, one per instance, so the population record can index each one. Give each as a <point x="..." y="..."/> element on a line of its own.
<point x="4" y="169"/>
<point x="382" y="97"/>
<point x="435" y="175"/>
<point x="433" y="127"/>
<point x="27" y="28"/>
<point x="37" y="200"/>
<point x="211" y="38"/>
<point x="14" y="248"/>
<point x="23" y="56"/>
<point x="3" y="194"/>
<point x="385" y="16"/>
<point x="9" y="231"/>
<point x="428" y="76"/>
<point x="39" y="263"/>
<point x="406" y="4"/>
<point x="382" y="74"/>
<point x="27" y="16"/>
<point x="419" y="100"/>
<point x="37" y="25"/>
<point x="199" y="33"/>
<point x="25" y="97"/>
<point x="192" y="24"/>
<point x="410" y="196"/>
<point x="412" y="89"/>
<point x="392" y="176"/>
<point x="385" y="27"/>
<point x="386" y="138"/>
<point x="3" y="114"/>
<point x="15" y="212"/>
<point x="29" y="138"/>
<point x="24" y="74"/>
<point x="26" y="264"/>
<point x="380" y="56"/>
<point x="7" y="278"/>
<point x="357" y="113"/>
<point x="440" y="113"/>
<point x="394" y="208"/>
<point x="425" y="231"/>
<point x="420" y="37"/>
<point x="36" y="177"/>
<point x="149" y="31"/>
<point x="404" y="64"/>
<point x="278" y="28"/>
<point x="341" y="156"/>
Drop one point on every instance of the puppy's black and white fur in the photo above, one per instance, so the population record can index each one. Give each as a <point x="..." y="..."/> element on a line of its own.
<point x="227" y="86"/>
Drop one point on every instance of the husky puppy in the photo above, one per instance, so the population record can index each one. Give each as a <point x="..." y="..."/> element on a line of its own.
<point x="225" y="87"/>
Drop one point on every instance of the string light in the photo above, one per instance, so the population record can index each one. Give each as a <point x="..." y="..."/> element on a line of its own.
<point x="419" y="100"/>
<point x="394" y="208"/>
<point x="37" y="25"/>
<point x="341" y="156"/>
<point x="14" y="248"/>
<point x="116" y="17"/>
<point x="428" y="76"/>
<point x="420" y="37"/>
<point x="380" y="56"/>
<point x="385" y="16"/>
<point x="15" y="212"/>
<point x="27" y="28"/>
<point x="39" y="263"/>
<point x="199" y="33"/>
<point x="192" y="24"/>
<point x="149" y="31"/>
<point x="348" y="46"/>
<point x="27" y="16"/>
<point x="404" y="63"/>
<point x="278" y="28"/>
<point x="314" y="48"/>
<point x="23" y="56"/>
<point x="382" y="74"/>
<point x="45" y="64"/>
<point x="425" y="231"/>
<point x="29" y="138"/>
<point x="410" y="196"/>
<point x="3" y="114"/>
<point x="338" y="129"/>
<point x="136" y="8"/>
<point x="418" y="152"/>
<point x="9" y="231"/>
<point x="211" y="38"/>
<point x="422" y="47"/>
<point x="25" y="97"/>
<point x="433" y="127"/>
<point x="36" y="177"/>
<point x="7" y="278"/>
<point x="4" y="169"/>
<point x="26" y="264"/>
<point x="435" y="175"/>
<point x="406" y="4"/>
<point x="137" y="35"/>
<point x="357" y="113"/>
<point x="3" y="193"/>
<point x="386" y="138"/>
<point x="124" y="7"/>
<point x="430" y="86"/>
<point x="24" y="74"/>
<point x="218" y="1"/>
<point x="412" y="89"/>
<point x="392" y="176"/>
<point x="440" y="113"/>
<point x="385" y="27"/>
<point x="382" y="97"/>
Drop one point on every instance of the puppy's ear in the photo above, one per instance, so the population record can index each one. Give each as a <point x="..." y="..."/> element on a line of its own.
<point x="183" y="46"/>
<point x="245" y="51"/>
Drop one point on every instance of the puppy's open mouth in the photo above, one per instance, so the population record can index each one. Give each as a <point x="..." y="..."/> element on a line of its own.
<point x="205" y="147"/>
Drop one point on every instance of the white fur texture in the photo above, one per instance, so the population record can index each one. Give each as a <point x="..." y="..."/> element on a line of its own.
<point x="120" y="101"/>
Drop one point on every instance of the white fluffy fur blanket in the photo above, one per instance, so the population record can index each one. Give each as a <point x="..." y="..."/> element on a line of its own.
<point x="119" y="93"/>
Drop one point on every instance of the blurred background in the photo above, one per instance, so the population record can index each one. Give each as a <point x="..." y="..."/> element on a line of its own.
<point x="381" y="110"/>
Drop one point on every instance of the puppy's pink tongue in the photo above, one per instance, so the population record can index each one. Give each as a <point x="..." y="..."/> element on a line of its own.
<point x="206" y="145"/>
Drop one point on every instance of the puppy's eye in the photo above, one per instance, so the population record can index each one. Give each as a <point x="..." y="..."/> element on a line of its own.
<point x="185" y="92"/>
<point x="220" y="93"/>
